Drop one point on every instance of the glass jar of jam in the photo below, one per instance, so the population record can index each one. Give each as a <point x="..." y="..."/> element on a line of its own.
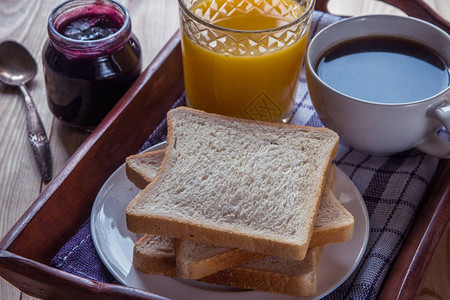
<point x="90" y="60"/>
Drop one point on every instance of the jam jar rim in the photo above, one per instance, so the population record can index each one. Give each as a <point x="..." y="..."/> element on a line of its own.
<point x="90" y="48"/>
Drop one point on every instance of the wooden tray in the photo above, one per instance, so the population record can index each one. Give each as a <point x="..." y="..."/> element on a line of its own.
<point x="60" y="209"/>
<point x="413" y="8"/>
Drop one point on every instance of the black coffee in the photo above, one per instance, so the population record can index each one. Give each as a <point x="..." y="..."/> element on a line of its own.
<point x="384" y="70"/>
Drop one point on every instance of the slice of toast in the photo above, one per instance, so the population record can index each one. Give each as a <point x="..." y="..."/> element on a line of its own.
<point x="334" y="224"/>
<point x="236" y="183"/>
<point x="198" y="260"/>
<point x="155" y="254"/>
<point x="142" y="168"/>
<point x="271" y="274"/>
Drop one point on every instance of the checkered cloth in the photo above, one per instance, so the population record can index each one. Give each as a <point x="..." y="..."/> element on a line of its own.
<point x="392" y="187"/>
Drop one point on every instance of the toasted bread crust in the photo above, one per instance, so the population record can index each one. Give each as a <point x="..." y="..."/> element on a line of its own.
<point x="243" y="277"/>
<point x="199" y="268"/>
<point x="147" y="261"/>
<point x="265" y="276"/>
<point x="185" y="230"/>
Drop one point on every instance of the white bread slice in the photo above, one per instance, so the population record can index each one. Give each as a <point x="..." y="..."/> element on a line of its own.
<point x="198" y="260"/>
<point x="273" y="274"/>
<point x="142" y="168"/>
<point x="334" y="224"/>
<point x="270" y="274"/>
<point x="155" y="254"/>
<point x="236" y="183"/>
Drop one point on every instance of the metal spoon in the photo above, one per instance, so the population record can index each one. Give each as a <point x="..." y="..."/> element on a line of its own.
<point x="17" y="67"/>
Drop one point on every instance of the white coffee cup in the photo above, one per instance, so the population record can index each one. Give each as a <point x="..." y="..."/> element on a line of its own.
<point x="377" y="128"/>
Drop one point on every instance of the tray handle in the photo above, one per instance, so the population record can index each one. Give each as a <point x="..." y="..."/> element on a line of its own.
<point x="413" y="8"/>
<point x="44" y="282"/>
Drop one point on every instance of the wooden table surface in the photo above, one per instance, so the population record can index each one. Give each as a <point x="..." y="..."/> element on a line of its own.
<point x="154" y="21"/>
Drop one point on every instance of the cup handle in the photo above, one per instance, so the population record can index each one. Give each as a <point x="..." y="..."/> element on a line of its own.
<point x="433" y="144"/>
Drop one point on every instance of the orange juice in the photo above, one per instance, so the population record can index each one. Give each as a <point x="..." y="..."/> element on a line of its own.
<point x="251" y="71"/>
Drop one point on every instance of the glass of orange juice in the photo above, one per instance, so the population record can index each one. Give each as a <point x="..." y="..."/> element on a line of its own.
<point x="243" y="58"/>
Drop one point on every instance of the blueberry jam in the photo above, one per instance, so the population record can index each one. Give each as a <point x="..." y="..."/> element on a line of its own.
<point x="90" y="27"/>
<point x="90" y="60"/>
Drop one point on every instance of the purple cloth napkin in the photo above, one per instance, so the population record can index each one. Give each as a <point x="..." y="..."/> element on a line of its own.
<point x="78" y="256"/>
<point x="392" y="187"/>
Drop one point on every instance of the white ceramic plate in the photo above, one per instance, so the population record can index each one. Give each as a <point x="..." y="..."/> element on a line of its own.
<point x="114" y="244"/>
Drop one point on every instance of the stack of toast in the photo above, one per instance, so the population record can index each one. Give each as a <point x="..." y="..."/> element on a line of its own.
<point x="235" y="202"/>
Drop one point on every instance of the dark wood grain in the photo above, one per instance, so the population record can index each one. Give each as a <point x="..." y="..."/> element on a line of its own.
<point x="428" y="231"/>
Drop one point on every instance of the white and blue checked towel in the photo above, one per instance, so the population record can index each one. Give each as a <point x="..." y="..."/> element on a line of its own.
<point x="392" y="187"/>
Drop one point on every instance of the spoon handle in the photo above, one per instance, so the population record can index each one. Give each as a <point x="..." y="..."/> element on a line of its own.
<point x="37" y="136"/>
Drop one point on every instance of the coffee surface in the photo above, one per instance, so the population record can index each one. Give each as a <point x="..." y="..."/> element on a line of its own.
<point x="384" y="70"/>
